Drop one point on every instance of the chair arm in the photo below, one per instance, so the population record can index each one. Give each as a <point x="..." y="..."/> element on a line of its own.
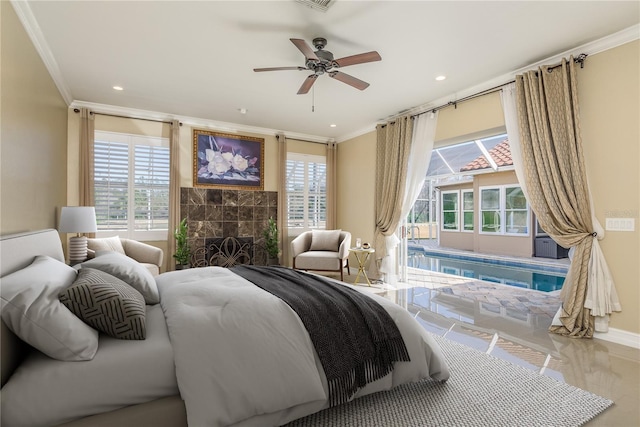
<point x="301" y="244"/>
<point x="343" y="251"/>
<point x="143" y="252"/>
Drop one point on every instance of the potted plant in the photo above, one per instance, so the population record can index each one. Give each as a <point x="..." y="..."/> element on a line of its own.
<point x="271" y="242"/>
<point x="183" y="252"/>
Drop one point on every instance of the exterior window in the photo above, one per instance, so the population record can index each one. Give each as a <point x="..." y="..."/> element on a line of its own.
<point x="516" y="212"/>
<point x="306" y="189"/>
<point x="450" y="211"/>
<point x="467" y="210"/>
<point x="131" y="184"/>
<point x="504" y="210"/>
<point x="490" y="210"/>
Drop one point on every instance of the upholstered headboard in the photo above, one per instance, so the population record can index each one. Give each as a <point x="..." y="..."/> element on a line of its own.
<point x="16" y="252"/>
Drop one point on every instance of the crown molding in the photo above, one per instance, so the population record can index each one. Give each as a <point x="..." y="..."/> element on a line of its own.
<point x="228" y="127"/>
<point x="25" y="15"/>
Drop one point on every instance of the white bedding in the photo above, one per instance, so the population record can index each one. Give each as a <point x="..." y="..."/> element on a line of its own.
<point x="46" y="392"/>
<point x="243" y="357"/>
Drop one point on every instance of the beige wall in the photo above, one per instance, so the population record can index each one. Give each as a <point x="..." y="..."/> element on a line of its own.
<point x="468" y="120"/>
<point x="609" y="96"/>
<point x="33" y="162"/>
<point x="356" y="185"/>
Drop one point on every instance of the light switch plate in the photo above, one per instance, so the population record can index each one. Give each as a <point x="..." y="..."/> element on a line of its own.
<point x="620" y="224"/>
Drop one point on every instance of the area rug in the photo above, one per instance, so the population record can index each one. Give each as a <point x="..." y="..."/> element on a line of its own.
<point x="482" y="391"/>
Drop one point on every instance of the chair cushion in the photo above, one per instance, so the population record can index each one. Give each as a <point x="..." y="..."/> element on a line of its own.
<point x="325" y="240"/>
<point x="318" y="260"/>
<point x="106" y="244"/>
<point x="106" y="303"/>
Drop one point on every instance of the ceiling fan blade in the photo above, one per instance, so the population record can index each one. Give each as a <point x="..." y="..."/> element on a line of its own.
<point x="357" y="59"/>
<point x="306" y="85"/>
<point x="304" y="47"/>
<point x="350" y="80"/>
<point x="257" y="70"/>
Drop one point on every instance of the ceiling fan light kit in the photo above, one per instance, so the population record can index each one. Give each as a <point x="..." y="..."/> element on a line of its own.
<point x="322" y="62"/>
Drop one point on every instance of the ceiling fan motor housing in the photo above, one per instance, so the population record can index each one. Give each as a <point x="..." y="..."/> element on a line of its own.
<point x="325" y="59"/>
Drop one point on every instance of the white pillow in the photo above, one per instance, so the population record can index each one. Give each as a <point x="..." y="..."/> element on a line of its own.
<point x="31" y="309"/>
<point x="325" y="240"/>
<point x="106" y="244"/>
<point x="129" y="271"/>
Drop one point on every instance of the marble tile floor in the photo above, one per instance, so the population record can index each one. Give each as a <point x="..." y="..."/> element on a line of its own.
<point x="487" y="320"/>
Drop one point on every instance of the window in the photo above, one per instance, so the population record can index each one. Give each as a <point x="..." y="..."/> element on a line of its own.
<point x="306" y="189"/>
<point x="467" y="210"/>
<point x="504" y="210"/>
<point x="490" y="210"/>
<point x="450" y="211"/>
<point x="516" y="212"/>
<point x="132" y="185"/>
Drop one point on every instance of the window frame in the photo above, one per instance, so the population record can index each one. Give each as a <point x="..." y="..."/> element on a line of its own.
<point x="456" y="210"/>
<point x="132" y="140"/>
<point x="502" y="211"/>
<point x="463" y="211"/>
<point x="307" y="159"/>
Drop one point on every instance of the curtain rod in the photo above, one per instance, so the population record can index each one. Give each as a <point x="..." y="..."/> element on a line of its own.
<point x="77" y="110"/>
<point x="303" y="140"/>
<point x="577" y="60"/>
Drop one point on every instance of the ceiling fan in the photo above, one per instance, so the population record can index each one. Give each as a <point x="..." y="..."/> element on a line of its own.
<point x="321" y="62"/>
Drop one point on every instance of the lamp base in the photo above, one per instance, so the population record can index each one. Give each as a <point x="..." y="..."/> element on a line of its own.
<point x="77" y="249"/>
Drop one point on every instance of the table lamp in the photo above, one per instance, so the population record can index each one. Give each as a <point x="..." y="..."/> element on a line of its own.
<point x="78" y="219"/>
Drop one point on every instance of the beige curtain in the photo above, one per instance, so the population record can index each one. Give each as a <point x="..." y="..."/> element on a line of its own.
<point x="556" y="181"/>
<point x="87" y="136"/>
<point x="392" y="154"/>
<point x="282" y="199"/>
<point x="174" y="192"/>
<point x="332" y="188"/>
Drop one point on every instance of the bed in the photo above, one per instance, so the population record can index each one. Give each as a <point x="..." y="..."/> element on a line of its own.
<point x="218" y="351"/>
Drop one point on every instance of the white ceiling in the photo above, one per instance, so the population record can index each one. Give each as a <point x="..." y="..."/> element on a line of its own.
<point x="196" y="59"/>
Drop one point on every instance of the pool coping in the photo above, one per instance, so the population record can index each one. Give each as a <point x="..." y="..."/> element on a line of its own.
<point x="502" y="260"/>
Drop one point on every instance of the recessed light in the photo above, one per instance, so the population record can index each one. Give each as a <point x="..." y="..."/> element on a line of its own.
<point x="118" y="88"/>
<point x="333" y="125"/>
<point x="242" y="110"/>
<point x="440" y="78"/>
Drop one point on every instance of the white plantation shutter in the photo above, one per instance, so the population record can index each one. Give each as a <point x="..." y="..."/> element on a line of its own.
<point x="306" y="187"/>
<point x="111" y="184"/>
<point x="151" y="187"/>
<point x="132" y="185"/>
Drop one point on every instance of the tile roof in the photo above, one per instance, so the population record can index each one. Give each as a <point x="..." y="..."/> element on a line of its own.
<point x="501" y="154"/>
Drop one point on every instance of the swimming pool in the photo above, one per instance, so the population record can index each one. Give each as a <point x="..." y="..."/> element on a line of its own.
<point x="519" y="274"/>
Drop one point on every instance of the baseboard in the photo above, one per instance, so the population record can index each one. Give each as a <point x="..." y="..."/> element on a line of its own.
<point x="619" y="336"/>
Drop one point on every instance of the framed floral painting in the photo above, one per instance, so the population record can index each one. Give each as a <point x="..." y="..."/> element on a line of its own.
<point x="227" y="161"/>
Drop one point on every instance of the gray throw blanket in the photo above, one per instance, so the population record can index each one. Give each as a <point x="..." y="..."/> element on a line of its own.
<point x="355" y="338"/>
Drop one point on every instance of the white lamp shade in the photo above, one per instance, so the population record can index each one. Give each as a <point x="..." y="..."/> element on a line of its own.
<point x="78" y="219"/>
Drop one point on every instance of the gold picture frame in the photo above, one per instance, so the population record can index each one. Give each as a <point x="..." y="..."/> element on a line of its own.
<point x="222" y="160"/>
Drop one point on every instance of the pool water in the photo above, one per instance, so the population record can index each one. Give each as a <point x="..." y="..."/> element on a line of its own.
<point x="521" y="275"/>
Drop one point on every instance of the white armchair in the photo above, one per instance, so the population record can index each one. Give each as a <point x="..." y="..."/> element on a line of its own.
<point x="147" y="255"/>
<point x="322" y="250"/>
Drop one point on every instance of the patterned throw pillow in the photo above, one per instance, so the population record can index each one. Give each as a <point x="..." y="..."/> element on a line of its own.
<point x="106" y="303"/>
